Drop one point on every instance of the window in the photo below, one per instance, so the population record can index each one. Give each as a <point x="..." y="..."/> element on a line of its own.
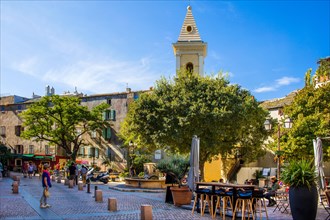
<point x="47" y="150"/>
<point x="3" y="131"/>
<point x="189" y="67"/>
<point x="91" y="151"/>
<point x="109" y="115"/>
<point x="3" y="109"/>
<point x="18" y="130"/>
<point x="19" y="149"/>
<point x="19" y="108"/>
<point x="109" y="152"/>
<point x="93" y="134"/>
<point x="106" y="133"/>
<point x="158" y="154"/>
<point x="31" y="149"/>
<point x="78" y="133"/>
<point x="81" y="151"/>
<point x="109" y="101"/>
<point x="112" y="115"/>
<point x="96" y="152"/>
<point x="18" y="162"/>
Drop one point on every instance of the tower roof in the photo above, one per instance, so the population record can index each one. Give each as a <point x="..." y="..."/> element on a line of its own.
<point x="189" y="30"/>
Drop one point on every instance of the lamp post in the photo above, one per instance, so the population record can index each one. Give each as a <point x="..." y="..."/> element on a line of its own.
<point x="268" y="126"/>
<point x="130" y="151"/>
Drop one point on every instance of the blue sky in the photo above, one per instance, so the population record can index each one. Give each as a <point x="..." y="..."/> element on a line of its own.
<point x="103" y="46"/>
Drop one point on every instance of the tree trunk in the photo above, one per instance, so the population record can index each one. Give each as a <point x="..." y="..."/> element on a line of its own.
<point x="201" y="166"/>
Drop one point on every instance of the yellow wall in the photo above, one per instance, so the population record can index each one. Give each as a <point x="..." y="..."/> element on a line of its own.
<point x="212" y="171"/>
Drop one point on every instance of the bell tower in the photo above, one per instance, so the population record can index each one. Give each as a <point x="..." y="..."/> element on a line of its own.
<point x="190" y="50"/>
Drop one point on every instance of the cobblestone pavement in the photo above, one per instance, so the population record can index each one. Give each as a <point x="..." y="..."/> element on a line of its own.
<point x="70" y="203"/>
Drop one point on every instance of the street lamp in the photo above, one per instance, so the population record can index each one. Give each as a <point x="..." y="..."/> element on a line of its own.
<point x="130" y="151"/>
<point x="268" y="126"/>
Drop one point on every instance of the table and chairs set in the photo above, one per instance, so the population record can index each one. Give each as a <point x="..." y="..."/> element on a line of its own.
<point x="236" y="200"/>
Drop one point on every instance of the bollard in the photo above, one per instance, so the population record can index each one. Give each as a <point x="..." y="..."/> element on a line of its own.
<point x="15" y="187"/>
<point x="71" y="182"/>
<point x="98" y="196"/>
<point x="112" y="204"/>
<point x="146" y="212"/>
<point x="59" y="179"/>
<point x="66" y="182"/>
<point x="88" y="188"/>
<point x="95" y="188"/>
<point x="80" y="187"/>
<point x="18" y="179"/>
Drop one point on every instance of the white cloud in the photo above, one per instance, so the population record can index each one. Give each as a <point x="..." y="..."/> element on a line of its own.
<point x="265" y="89"/>
<point x="104" y="76"/>
<point x="284" y="81"/>
<point x="287" y="80"/>
<point x="27" y="66"/>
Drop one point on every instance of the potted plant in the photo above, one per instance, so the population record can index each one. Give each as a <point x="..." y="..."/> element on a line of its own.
<point x="301" y="177"/>
<point x="176" y="167"/>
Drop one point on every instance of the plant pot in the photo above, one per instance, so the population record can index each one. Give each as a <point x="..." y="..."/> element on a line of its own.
<point x="303" y="203"/>
<point x="181" y="195"/>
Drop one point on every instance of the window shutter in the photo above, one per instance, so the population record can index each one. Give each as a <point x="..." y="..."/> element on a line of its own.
<point x="104" y="133"/>
<point x="105" y="115"/>
<point x="108" y="133"/>
<point x="96" y="152"/>
<point x="90" y="152"/>
<point x="109" y="152"/>
<point x="113" y="114"/>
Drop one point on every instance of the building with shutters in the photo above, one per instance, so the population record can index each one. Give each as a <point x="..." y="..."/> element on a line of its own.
<point x="99" y="145"/>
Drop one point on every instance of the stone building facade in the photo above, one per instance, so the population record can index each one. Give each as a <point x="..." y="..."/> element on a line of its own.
<point x="99" y="145"/>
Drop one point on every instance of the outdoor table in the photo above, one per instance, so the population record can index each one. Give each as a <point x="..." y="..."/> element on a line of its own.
<point x="215" y="185"/>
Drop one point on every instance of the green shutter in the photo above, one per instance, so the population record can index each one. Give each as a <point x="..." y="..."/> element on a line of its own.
<point x="108" y="133"/>
<point x="89" y="152"/>
<point x="105" y="115"/>
<point x="96" y="152"/>
<point x="113" y="115"/>
<point x="104" y="133"/>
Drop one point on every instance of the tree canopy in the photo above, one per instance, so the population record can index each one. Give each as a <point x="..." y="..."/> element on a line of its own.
<point x="222" y="115"/>
<point x="61" y="121"/>
<point x="310" y="112"/>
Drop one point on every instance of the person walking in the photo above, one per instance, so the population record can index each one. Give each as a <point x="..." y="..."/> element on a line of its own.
<point x="72" y="171"/>
<point x="46" y="184"/>
<point x="83" y="173"/>
<point x="1" y="170"/>
<point x="271" y="191"/>
<point x="30" y="170"/>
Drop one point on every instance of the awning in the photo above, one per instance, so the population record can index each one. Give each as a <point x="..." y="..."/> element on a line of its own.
<point x="27" y="156"/>
<point x="39" y="157"/>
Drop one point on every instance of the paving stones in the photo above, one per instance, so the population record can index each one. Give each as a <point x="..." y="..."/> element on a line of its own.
<point x="74" y="204"/>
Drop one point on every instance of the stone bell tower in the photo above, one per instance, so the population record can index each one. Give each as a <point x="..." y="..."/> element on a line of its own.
<point x="190" y="50"/>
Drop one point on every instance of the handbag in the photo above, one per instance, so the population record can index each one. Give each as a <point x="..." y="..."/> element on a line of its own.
<point x="46" y="193"/>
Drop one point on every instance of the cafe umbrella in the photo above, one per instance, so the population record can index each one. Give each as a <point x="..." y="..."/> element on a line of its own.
<point x="318" y="153"/>
<point x="193" y="175"/>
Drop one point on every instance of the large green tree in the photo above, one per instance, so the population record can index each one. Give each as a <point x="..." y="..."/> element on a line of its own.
<point x="310" y="112"/>
<point x="61" y="121"/>
<point x="222" y="115"/>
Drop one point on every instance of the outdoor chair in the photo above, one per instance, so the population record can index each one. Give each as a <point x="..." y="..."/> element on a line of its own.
<point x="282" y="201"/>
<point x="325" y="200"/>
<point x="259" y="203"/>
<point x="224" y="201"/>
<point x="244" y="204"/>
<point x="205" y="197"/>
